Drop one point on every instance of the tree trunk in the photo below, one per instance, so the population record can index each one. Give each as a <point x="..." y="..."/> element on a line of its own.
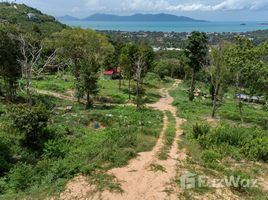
<point x="89" y="101"/>
<point x="215" y="101"/>
<point x="192" y="87"/>
<point x="129" y="83"/>
<point x="238" y="92"/>
<point x="138" y="95"/>
<point x="28" y="86"/>
<point x="120" y="81"/>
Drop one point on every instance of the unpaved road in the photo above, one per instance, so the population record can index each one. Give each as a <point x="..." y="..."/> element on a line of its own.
<point x="138" y="180"/>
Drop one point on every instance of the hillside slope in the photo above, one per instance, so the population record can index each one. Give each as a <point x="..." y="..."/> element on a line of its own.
<point x="162" y="17"/>
<point x="29" y="18"/>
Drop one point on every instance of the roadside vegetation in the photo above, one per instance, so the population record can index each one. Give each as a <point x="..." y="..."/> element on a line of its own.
<point x="222" y="147"/>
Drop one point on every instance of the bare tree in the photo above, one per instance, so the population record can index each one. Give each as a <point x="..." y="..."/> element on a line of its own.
<point x="31" y="54"/>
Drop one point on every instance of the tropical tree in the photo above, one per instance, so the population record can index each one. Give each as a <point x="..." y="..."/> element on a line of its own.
<point x="84" y="51"/>
<point x="137" y="60"/>
<point x="219" y="74"/>
<point x="127" y="63"/>
<point x="9" y="55"/>
<point x="241" y="57"/>
<point x="196" y="51"/>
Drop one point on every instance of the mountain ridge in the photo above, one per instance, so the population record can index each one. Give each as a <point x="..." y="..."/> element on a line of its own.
<point x="161" y="17"/>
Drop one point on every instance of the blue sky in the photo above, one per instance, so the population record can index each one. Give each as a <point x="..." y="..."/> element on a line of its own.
<point x="213" y="10"/>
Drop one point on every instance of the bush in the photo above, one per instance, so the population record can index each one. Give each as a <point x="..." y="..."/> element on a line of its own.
<point x="257" y="149"/>
<point x="54" y="149"/>
<point x="200" y="130"/>
<point x="210" y="156"/>
<point x="4" y="158"/>
<point x="31" y="121"/>
<point x="20" y="177"/>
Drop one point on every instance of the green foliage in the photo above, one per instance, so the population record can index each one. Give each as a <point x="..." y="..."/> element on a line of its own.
<point x="196" y="52"/>
<point x="257" y="149"/>
<point x="85" y="51"/>
<point x="31" y="121"/>
<point x="5" y="158"/>
<point x="9" y="56"/>
<point x="41" y="23"/>
<point x="170" y="67"/>
<point x="239" y="177"/>
<point x="73" y="150"/>
<point x="20" y="177"/>
<point x="200" y="130"/>
<point x="251" y="143"/>
<point x="211" y="159"/>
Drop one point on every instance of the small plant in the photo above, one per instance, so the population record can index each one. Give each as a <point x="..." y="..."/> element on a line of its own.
<point x="211" y="159"/>
<point x="238" y="181"/>
<point x="200" y="130"/>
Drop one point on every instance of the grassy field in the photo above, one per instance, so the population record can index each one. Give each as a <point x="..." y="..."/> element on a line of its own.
<point x="108" y="89"/>
<point x="223" y="146"/>
<point x="87" y="142"/>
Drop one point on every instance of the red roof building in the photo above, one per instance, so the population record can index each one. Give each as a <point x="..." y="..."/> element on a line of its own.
<point x="113" y="73"/>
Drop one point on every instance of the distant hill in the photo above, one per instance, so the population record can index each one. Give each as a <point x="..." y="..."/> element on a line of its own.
<point x="67" y="18"/>
<point x="141" y="18"/>
<point x="28" y="18"/>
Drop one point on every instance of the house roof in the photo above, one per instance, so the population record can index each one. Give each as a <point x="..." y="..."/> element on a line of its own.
<point x="108" y="72"/>
<point x="112" y="71"/>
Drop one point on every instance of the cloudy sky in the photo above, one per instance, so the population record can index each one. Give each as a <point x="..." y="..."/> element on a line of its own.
<point x="213" y="10"/>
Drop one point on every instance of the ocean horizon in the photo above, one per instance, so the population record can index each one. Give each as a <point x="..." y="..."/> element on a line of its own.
<point x="239" y="26"/>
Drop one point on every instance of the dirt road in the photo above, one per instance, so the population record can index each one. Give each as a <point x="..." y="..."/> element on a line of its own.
<point x="138" y="180"/>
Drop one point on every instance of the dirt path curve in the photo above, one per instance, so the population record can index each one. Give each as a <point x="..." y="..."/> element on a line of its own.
<point x="70" y="97"/>
<point x="138" y="180"/>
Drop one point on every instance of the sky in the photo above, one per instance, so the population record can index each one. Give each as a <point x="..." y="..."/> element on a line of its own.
<point x="213" y="10"/>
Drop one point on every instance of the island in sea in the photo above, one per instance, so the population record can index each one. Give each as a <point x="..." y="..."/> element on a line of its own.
<point x="161" y="17"/>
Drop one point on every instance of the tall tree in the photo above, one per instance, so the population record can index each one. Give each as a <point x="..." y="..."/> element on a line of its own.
<point x="137" y="60"/>
<point x="196" y="52"/>
<point x="85" y="51"/>
<point x="9" y="55"/>
<point x="219" y="74"/>
<point x="241" y="57"/>
<point x="127" y="58"/>
<point x="144" y="59"/>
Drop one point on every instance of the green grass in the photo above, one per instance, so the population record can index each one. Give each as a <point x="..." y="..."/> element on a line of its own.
<point x="77" y="147"/>
<point x="169" y="136"/>
<point x="57" y="83"/>
<point x="108" y="89"/>
<point x="213" y="146"/>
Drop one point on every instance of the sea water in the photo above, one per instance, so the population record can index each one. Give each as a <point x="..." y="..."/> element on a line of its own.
<point x="171" y="26"/>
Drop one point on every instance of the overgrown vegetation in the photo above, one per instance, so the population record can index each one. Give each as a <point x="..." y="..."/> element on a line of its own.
<point x="20" y="14"/>
<point x="69" y="151"/>
<point x="224" y="147"/>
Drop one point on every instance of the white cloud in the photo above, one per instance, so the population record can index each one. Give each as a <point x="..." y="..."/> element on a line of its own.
<point x="225" y="5"/>
<point x="166" y="5"/>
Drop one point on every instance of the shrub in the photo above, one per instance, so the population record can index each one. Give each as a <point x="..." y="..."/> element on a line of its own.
<point x="211" y="159"/>
<point x="20" y="177"/>
<point x="210" y="156"/>
<point x="32" y="122"/>
<point x="54" y="149"/>
<point x="4" y="157"/>
<point x="257" y="149"/>
<point x="200" y="130"/>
